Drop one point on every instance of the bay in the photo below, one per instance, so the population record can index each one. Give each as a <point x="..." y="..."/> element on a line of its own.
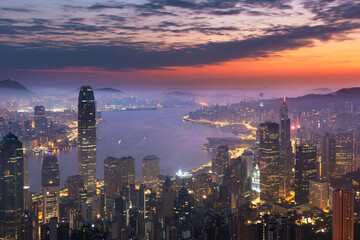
<point x="162" y="132"/>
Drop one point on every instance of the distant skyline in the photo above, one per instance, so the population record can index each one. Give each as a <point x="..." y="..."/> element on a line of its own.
<point x="181" y="43"/>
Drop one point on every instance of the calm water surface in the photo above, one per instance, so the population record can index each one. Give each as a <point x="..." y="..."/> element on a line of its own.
<point x="178" y="144"/>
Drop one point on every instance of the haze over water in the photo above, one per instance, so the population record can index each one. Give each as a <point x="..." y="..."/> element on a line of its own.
<point x="160" y="132"/>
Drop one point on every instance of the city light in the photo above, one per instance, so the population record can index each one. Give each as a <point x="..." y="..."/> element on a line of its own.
<point x="180" y="119"/>
<point x="183" y="174"/>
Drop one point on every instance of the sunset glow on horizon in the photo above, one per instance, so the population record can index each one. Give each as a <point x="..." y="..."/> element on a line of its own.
<point x="180" y="43"/>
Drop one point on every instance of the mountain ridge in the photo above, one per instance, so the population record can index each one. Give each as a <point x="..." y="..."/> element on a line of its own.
<point x="319" y="101"/>
<point x="9" y="87"/>
<point x="9" y="83"/>
<point x="109" y="89"/>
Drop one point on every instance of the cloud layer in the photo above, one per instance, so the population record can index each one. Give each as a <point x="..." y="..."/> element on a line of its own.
<point x="160" y="34"/>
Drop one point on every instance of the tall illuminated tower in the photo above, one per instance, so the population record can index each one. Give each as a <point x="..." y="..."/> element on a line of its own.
<point x="87" y="138"/>
<point x="269" y="162"/>
<point x="50" y="183"/>
<point x="11" y="187"/>
<point x="285" y="151"/>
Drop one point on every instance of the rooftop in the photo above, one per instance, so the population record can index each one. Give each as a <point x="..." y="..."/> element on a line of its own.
<point x="151" y="157"/>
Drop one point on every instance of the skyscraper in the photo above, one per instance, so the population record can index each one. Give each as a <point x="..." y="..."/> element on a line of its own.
<point x="318" y="194"/>
<point x="118" y="173"/>
<point x="28" y="129"/>
<point x="127" y="171"/>
<point x="167" y="206"/>
<point x="343" y="214"/>
<point x="75" y="185"/>
<point x="40" y="122"/>
<point x="50" y="183"/>
<point x="305" y="170"/>
<point x="285" y="151"/>
<point x="328" y="148"/>
<point x="151" y="171"/>
<point x="11" y="187"/>
<point x="248" y="158"/>
<point x="111" y="176"/>
<point x="202" y="188"/>
<point x="87" y="138"/>
<point x="76" y="190"/>
<point x="344" y="152"/>
<point x="221" y="160"/>
<point x="269" y="162"/>
<point x="182" y="212"/>
<point x="237" y="179"/>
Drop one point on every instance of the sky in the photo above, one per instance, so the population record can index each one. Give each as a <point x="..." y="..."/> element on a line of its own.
<point x="181" y="43"/>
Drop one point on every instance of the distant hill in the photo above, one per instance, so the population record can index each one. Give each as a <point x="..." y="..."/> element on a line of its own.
<point x="109" y="90"/>
<point x="11" y="84"/>
<point x="10" y="87"/>
<point x="180" y="94"/>
<point x="318" y="101"/>
<point x="352" y="92"/>
<point x="322" y="90"/>
<point x="179" y="98"/>
<point x="222" y="95"/>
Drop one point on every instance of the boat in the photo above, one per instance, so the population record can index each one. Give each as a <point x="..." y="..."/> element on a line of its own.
<point x="37" y="150"/>
<point x="119" y="141"/>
